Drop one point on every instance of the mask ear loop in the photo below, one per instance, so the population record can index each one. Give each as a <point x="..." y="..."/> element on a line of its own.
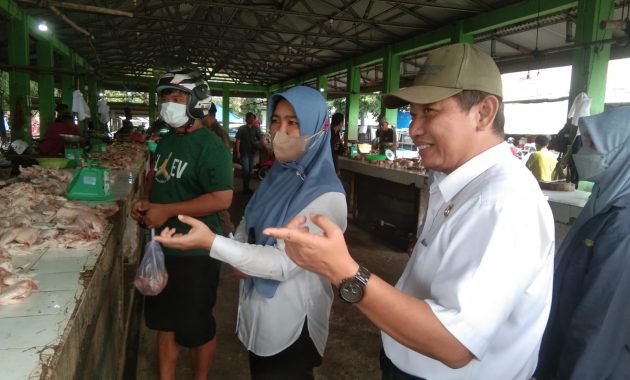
<point x="312" y="140"/>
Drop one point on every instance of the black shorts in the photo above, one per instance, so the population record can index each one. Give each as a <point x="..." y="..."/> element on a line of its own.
<point x="185" y="305"/>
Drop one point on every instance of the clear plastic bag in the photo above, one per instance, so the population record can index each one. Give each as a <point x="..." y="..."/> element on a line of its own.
<point x="151" y="277"/>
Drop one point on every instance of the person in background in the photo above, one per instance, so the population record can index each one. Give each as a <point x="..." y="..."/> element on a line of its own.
<point x="248" y="140"/>
<point x="336" y="143"/>
<point x="541" y="163"/>
<point x="52" y="144"/>
<point x="193" y="176"/>
<point x="386" y="135"/>
<point x="473" y="300"/>
<point x="155" y="132"/>
<point x="588" y="334"/>
<point x="512" y="144"/>
<point x="210" y="120"/>
<point x="283" y="309"/>
<point x="127" y="125"/>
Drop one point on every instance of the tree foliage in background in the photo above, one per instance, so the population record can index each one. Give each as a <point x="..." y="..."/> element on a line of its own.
<point x="367" y="104"/>
<point x="126" y="97"/>
<point x="254" y="105"/>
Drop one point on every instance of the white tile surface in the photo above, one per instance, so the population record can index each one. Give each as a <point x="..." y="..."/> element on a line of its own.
<point x="31" y="331"/>
<point x="40" y="303"/>
<point x="17" y="363"/>
<point x="32" y="328"/>
<point x="58" y="281"/>
<point x="59" y="264"/>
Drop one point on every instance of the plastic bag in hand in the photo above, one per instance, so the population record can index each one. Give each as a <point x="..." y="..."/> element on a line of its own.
<point x="151" y="276"/>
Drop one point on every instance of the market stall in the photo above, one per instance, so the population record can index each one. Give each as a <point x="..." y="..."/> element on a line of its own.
<point x="391" y="201"/>
<point x="74" y="324"/>
<point x="386" y="198"/>
<point x="565" y="206"/>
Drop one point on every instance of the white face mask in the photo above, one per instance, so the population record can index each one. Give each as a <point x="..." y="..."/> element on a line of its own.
<point x="174" y="114"/>
<point x="287" y="148"/>
<point x="290" y="148"/>
<point x="589" y="163"/>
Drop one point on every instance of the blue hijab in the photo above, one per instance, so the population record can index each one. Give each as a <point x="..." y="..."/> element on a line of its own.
<point x="289" y="187"/>
<point x="610" y="133"/>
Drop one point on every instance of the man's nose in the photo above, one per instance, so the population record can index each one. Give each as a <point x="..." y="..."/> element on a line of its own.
<point x="416" y="128"/>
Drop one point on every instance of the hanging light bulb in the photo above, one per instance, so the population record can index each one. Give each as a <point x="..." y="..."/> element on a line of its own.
<point x="42" y="27"/>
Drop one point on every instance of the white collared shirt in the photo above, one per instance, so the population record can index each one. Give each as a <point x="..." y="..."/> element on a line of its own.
<point x="485" y="271"/>
<point x="267" y="326"/>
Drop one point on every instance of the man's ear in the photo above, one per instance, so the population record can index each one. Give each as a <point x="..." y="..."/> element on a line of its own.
<point x="487" y="110"/>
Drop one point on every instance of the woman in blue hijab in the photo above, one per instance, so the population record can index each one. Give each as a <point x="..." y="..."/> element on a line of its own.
<point x="283" y="309"/>
<point x="588" y="333"/>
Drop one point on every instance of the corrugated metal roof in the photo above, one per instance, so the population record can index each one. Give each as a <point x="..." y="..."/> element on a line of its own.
<point x="268" y="41"/>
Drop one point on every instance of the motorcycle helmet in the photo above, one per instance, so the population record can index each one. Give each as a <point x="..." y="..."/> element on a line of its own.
<point x="190" y="82"/>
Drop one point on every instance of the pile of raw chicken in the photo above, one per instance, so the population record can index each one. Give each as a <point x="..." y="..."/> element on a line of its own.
<point x="122" y="155"/>
<point x="413" y="164"/>
<point x="34" y="217"/>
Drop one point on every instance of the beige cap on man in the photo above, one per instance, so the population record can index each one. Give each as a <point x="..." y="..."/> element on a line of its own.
<point x="448" y="71"/>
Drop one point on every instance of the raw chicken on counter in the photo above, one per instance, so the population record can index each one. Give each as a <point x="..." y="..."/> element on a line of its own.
<point x="49" y="181"/>
<point x="31" y="220"/>
<point x="122" y="155"/>
<point x="13" y="287"/>
<point x="35" y="216"/>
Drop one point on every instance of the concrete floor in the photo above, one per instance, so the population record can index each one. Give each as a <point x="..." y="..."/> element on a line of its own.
<point x="353" y="343"/>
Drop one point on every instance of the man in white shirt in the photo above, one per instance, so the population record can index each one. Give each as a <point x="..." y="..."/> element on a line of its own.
<point x="474" y="298"/>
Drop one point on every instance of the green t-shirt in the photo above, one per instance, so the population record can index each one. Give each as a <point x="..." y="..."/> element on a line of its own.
<point x="187" y="166"/>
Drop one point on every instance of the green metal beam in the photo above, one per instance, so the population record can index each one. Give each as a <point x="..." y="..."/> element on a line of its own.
<point x="46" y="86"/>
<point x="322" y="85"/>
<point x="19" y="81"/>
<point x="148" y="85"/>
<point x="514" y="14"/>
<point x="459" y="35"/>
<point x="152" y="107"/>
<point x="10" y="9"/>
<point x="590" y="62"/>
<point x="391" y="82"/>
<point x="67" y="80"/>
<point x="352" y="103"/>
<point x="237" y="87"/>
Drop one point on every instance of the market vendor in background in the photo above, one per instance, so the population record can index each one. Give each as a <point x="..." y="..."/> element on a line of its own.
<point x="52" y="144"/>
<point x="541" y="163"/>
<point x="336" y="139"/>
<point x="386" y="136"/>
<point x="127" y="125"/>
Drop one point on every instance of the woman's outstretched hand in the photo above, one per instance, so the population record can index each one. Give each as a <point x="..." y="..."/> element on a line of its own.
<point x="199" y="236"/>
<point x="325" y="254"/>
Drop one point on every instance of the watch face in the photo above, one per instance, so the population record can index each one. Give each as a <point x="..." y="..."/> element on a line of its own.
<point x="351" y="291"/>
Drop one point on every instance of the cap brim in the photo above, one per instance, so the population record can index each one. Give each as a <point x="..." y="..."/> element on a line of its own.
<point x="419" y="95"/>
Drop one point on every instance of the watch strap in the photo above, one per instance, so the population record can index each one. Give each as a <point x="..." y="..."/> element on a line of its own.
<point x="363" y="275"/>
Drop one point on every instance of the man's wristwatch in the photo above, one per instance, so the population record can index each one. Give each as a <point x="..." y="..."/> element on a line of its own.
<point x="351" y="289"/>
